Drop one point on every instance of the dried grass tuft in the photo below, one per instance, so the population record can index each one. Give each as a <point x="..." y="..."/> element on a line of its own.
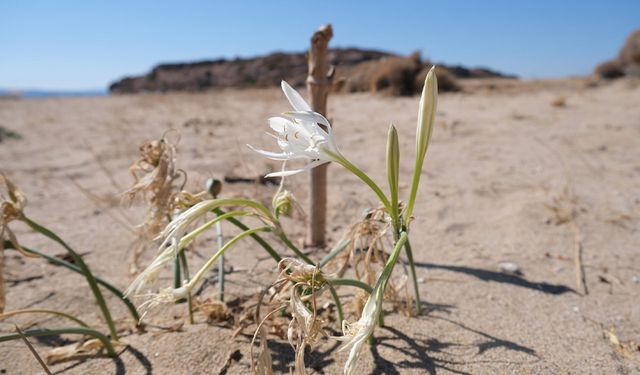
<point x="12" y="202"/>
<point x="395" y="75"/>
<point x="215" y="311"/>
<point x="302" y="283"/>
<point x="366" y="254"/>
<point x="155" y="177"/>
<point x="75" y="351"/>
<point x="628" y="349"/>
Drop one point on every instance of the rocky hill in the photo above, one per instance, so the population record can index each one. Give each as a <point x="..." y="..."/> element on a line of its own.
<point x="358" y="70"/>
<point x="627" y="63"/>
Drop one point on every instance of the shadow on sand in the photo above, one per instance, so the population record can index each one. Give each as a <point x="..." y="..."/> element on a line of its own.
<point x="499" y="277"/>
<point x="426" y="354"/>
<point x="120" y="368"/>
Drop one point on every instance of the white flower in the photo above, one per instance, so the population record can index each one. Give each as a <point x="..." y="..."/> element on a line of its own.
<point x="300" y="136"/>
<point x="356" y="334"/>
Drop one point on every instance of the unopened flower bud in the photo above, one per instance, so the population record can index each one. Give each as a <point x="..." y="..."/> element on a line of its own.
<point x="283" y="203"/>
<point x="214" y="187"/>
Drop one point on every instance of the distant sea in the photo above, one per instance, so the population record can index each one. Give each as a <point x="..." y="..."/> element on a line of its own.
<point x="51" y="93"/>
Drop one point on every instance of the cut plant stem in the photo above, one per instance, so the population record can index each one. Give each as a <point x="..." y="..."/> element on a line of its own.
<point x="83" y="268"/>
<point x="220" y="241"/>
<point x="209" y="263"/>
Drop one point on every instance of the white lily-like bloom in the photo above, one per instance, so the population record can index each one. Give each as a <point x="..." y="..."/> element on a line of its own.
<point x="356" y="334"/>
<point x="300" y="136"/>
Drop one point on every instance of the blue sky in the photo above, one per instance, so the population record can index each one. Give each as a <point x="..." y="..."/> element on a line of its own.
<point x="71" y="45"/>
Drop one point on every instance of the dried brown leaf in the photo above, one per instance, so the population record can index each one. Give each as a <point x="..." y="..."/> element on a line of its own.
<point x="74" y="351"/>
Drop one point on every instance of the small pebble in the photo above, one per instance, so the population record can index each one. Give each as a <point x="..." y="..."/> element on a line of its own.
<point x="636" y="279"/>
<point x="576" y="309"/>
<point x="558" y="269"/>
<point x="509" y="267"/>
<point x="421" y="280"/>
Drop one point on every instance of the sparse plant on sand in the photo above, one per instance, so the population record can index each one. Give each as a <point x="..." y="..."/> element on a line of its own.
<point x="12" y="204"/>
<point x="302" y="280"/>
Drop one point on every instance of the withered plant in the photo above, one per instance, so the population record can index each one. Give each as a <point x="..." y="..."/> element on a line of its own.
<point x="155" y="181"/>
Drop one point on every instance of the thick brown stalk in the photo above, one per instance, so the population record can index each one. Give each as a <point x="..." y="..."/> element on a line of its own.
<point x="318" y="86"/>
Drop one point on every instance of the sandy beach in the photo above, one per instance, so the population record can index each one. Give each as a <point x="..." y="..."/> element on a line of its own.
<point x="517" y="171"/>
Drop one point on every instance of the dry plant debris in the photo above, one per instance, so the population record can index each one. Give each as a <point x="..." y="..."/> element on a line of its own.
<point x="154" y="175"/>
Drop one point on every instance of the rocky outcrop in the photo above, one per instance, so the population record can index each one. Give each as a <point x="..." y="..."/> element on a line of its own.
<point x="626" y="64"/>
<point x="360" y="70"/>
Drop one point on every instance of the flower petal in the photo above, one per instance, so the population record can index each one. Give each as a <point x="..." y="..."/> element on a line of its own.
<point x="288" y="173"/>
<point x="308" y="116"/>
<point x="291" y="172"/>
<point x="270" y="155"/>
<point x="279" y="124"/>
<point x="295" y="99"/>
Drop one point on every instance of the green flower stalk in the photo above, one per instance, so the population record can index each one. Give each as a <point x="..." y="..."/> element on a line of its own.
<point x="426" y="115"/>
<point x="393" y="172"/>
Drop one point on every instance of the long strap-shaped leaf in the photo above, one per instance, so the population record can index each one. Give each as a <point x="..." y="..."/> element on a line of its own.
<point x="44" y="311"/>
<point x="62" y="263"/>
<point x="60" y="331"/>
<point x="83" y="268"/>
